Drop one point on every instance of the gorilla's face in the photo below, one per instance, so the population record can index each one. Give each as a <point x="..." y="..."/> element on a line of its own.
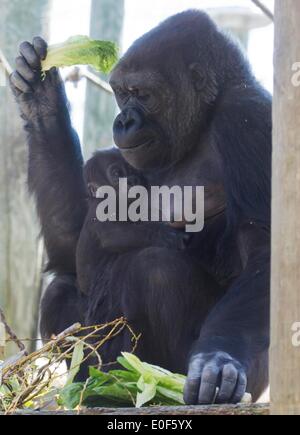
<point x="160" y="120"/>
<point x="107" y="167"/>
<point x="140" y="130"/>
<point x="166" y="87"/>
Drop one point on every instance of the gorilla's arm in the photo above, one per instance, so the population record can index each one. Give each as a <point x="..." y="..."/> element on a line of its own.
<point x="231" y="351"/>
<point x="123" y="236"/>
<point x="55" y="160"/>
<point x="233" y="339"/>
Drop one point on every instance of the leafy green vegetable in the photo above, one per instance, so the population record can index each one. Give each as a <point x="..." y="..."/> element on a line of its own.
<point x="81" y="50"/>
<point x="138" y="385"/>
<point x="147" y="391"/>
<point x="77" y="359"/>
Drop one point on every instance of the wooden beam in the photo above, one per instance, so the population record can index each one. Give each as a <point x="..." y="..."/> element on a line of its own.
<point x="259" y="409"/>
<point x="285" y="287"/>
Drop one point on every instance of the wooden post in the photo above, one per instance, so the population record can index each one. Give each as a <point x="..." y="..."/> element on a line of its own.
<point x="285" y="286"/>
<point x="100" y="107"/>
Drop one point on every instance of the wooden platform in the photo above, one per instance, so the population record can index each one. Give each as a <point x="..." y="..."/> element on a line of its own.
<point x="259" y="409"/>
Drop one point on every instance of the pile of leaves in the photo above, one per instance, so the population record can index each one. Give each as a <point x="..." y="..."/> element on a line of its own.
<point x="39" y="381"/>
<point x="137" y="385"/>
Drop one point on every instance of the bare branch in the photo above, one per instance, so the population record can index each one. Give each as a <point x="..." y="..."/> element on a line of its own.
<point x="264" y="9"/>
<point x="11" y="333"/>
<point x="5" y="63"/>
<point x="76" y="75"/>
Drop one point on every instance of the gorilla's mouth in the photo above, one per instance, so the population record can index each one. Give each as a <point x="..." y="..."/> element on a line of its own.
<point x="139" y="145"/>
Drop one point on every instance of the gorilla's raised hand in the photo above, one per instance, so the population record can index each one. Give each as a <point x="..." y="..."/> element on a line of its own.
<point x="37" y="97"/>
<point x="210" y="371"/>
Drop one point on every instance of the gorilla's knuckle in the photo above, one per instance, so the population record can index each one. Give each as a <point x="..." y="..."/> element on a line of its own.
<point x="243" y="380"/>
<point x="192" y="384"/>
<point x="39" y="41"/>
<point x="195" y="365"/>
<point x="230" y="373"/>
<point x="209" y="374"/>
<point x="19" y="61"/>
<point x="24" y="46"/>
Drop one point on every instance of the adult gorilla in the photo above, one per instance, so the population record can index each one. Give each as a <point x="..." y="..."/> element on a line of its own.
<point x="191" y="114"/>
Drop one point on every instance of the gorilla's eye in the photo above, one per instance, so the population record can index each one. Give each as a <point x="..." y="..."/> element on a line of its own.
<point x="144" y="96"/>
<point x="148" y="99"/>
<point x="114" y="173"/>
<point x="120" y="94"/>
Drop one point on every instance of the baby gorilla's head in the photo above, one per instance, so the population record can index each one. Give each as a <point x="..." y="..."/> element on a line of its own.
<point x="105" y="168"/>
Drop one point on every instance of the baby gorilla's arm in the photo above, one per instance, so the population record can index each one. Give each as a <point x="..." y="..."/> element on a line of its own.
<point x="125" y="236"/>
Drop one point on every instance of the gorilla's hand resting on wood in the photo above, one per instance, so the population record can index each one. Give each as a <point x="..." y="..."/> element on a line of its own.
<point x="206" y="371"/>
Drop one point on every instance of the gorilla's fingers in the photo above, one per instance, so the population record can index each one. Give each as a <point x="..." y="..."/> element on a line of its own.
<point x="18" y="82"/>
<point x="54" y="76"/>
<point x="31" y="57"/>
<point x="191" y="391"/>
<point x="240" y="389"/>
<point x="228" y="383"/>
<point x="24" y="69"/>
<point x="40" y="47"/>
<point x="16" y="91"/>
<point x="192" y="384"/>
<point x="209" y="383"/>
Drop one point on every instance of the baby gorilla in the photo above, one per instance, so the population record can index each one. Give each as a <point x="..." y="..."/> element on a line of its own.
<point x="106" y="246"/>
<point x="104" y="240"/>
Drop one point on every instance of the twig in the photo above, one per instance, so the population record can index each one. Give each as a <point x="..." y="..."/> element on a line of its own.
<point x="76" y="75"/>
<point x="11" y="333"/>
<point x="33" y="380"/>
<point x="5" y="63"/>
<point x="264" y="9"/>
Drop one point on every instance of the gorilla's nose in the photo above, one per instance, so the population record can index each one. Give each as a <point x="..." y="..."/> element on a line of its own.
<point x="130" y="118"/>
<point x="126" y="125"/>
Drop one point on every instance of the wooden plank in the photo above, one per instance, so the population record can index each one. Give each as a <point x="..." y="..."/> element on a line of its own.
<point x="285" y="291"/>
<point x="258" y="409"/>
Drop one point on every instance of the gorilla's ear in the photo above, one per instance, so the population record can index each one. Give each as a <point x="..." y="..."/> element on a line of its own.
<point x="204" y="81"/>
<point x="198" y="76"/>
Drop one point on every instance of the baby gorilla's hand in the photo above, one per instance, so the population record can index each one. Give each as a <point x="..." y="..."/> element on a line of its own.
<point x="207" y="372"/>
<point x="37" y="97"/>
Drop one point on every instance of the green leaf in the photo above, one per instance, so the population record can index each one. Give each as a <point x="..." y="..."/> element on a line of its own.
<point x="98" y="374"/>
<point x="81" y="50"/>
<point x="124" y="363"/>
<point x="70" y="395"/>
<point x="134" y="362"/>
<point x="124" y="376"/>
<point x="173" y="395"/>
<point x="172" y="382"/>
<point x="147" y="394"/>
<point x="77" y="359"/>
